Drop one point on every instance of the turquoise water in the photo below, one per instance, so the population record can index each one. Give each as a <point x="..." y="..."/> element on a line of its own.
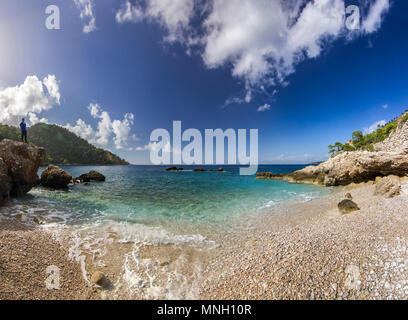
<point x="150" y="195"/>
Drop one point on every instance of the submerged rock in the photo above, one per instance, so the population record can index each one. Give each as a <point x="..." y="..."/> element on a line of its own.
<point x="38" y="220"/>
<point x="347" y="206"/>
<point x="269" y="175"/>
<point x="55" y="177"/>
<point x="19" y="163"/>
<point x="174" y="169"/>
<point x="388" y="187"/>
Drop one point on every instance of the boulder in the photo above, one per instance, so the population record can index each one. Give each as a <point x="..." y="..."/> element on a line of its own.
<point x="347" y="206"/>
<point x="199" y="170"/>
<point x="55" y="177"/>
<point x="388" y="187"/>
<point x="19" y="163"/>
<point x="220" y="170"/>
<point x="348" y="196"/>
<point x="96" y="176"/>
<point x="99" y="279"/>
<point x="91" y="176"/>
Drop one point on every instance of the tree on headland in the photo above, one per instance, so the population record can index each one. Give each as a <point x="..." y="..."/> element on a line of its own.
<point x="359" y="141"/>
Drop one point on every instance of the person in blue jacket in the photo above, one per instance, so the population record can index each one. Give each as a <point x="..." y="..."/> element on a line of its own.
<point x="23" y="127"/>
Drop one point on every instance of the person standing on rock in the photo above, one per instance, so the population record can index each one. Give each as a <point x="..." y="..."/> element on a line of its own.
<point x="23" y="128"/>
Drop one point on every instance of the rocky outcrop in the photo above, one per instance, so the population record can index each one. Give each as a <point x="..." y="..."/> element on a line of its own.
<point x="91" y="176"/>
<point x="348" y="167"/>
<point x="389" y="158"/>
<point x="199" y="170"/>
<point x="174" y="169"/>
<point x="388" y="187"/>
<point x="19" y="163"/>
<point x="5" y="183"/>
<point x="55" y="177"/>
<point x="347" y="206"/>
<point x="397" y="141"/>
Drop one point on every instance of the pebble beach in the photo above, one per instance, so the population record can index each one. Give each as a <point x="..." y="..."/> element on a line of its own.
<point x="304" y="250"/>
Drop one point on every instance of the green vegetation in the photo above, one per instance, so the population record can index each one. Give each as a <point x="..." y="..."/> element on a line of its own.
<point x="62" y="146"/>
<point x="359" y="141"/>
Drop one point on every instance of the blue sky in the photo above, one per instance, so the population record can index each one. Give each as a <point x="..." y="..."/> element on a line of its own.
<point x="140" y="67"/>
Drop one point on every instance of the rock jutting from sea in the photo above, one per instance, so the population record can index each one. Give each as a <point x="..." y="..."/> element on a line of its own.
<point x="355" y="166"/>
<point x="19" y="163"/>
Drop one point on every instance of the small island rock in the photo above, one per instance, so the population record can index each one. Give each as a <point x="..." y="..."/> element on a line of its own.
<point x="55" y="177"/>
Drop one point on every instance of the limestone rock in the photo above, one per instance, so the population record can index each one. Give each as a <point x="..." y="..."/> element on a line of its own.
<point x="347" y="206"/>
<point x="55" y="177"/>
<point x="19" y="163"/>
<point x="99" y="279"/>
<point x="91" y="176"/>
<point x="388" y="187"/>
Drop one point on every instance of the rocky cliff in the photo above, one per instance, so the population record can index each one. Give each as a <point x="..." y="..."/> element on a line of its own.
<point x="19" y="163"/>
<point x="389" y="158"/>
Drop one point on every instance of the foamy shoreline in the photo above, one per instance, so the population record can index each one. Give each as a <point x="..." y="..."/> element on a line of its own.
<point x="298" y="251"/>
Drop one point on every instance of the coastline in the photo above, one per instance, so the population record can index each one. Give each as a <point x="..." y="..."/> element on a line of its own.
<point x="304" y="250"/>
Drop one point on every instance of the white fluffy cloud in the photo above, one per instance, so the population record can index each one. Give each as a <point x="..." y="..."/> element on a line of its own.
<point x="29" y="100"/>
<point x="173" y="15"/>
<point x="375" y="126"/>
<point x="262" y="40"/>
<point x="86" y="13"/>
<point x="265" y="107"/>
<point x="108" y="129"/>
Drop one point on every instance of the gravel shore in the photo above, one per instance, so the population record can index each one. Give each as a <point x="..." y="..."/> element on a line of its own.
<point x="25" y="255"/>
<point x="311" y="251"/>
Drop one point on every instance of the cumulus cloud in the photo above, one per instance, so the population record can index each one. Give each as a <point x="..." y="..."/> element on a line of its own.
<point x="107" y="129"/>
<point x="265" y="107"/>
<point x="375" y="126"/>
<point x="29" y="100"/>
<point x="173" y="15"/>
<point x="261" y="40"/>
<point x="85" y="8"/>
